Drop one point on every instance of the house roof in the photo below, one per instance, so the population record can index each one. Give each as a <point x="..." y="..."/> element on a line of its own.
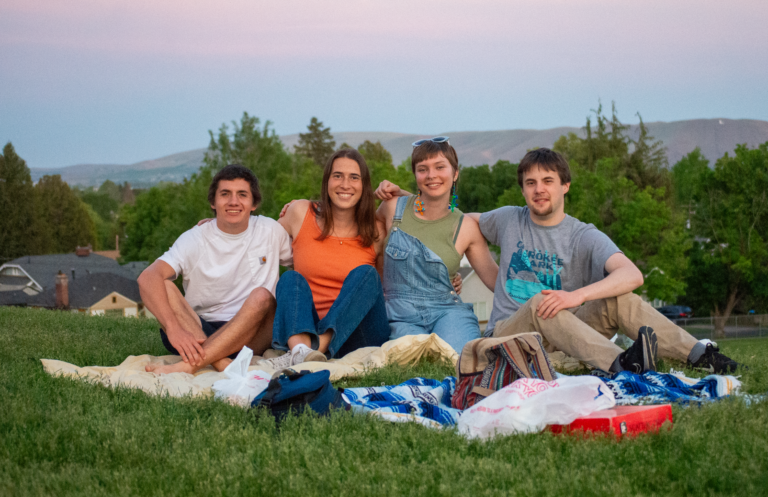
<point x="83" y="292"/>
<point x="43" y="268"/>
<point x="90" y="279"/>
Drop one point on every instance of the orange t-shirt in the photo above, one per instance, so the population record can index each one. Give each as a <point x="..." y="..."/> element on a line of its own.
<point x="326" y="264"/>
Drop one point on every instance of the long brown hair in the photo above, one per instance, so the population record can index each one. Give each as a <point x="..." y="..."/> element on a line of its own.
<point x="365" y="210"/>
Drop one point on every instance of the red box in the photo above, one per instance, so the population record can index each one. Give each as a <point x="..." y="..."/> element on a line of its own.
<point x="622" y="420"/>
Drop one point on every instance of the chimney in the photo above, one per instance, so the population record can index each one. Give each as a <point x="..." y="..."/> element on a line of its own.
<point x="83" y="251"/>
<point x="62" y="291"/>
<point x="73" y="274"/>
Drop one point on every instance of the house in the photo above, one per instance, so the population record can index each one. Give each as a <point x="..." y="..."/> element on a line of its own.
<point x="81" y="281"/>
<point x="474" y="291"/>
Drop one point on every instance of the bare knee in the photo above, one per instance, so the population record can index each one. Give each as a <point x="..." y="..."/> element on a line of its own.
<point x="261" y="298"/>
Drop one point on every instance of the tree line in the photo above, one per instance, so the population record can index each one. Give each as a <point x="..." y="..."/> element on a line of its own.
<point x="698" y="233"/>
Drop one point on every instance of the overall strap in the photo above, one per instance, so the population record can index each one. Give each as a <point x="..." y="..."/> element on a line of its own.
<point x="458" y="228"/>
<point x="399" y="210"/>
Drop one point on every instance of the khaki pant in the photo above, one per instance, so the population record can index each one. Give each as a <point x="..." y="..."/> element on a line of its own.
<point x="586" y="333"/>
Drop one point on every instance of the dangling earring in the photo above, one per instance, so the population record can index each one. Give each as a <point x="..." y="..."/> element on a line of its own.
<point x="418" y="205"/>
<point x="454" y="198"/>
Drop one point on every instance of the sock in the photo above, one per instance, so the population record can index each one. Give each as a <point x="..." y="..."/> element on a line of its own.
<point x="297" y="349"/>
<point x="696" y="352"/>
<point x="616" y="366"/>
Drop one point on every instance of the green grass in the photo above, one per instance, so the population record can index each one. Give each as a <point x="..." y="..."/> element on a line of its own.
<point x="67" y="437"/>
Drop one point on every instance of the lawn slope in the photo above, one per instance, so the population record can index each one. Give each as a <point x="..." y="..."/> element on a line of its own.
<point x="66" y="437"/>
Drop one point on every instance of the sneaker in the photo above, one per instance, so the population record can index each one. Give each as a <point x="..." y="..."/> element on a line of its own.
<point x="272" y="353"/>
<point x="641" y="356"/>
<point x="712" y="361"/>
<point x="285" y="361"/>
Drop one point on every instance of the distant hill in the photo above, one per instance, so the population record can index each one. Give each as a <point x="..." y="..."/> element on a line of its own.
<point x="715" y="137"/>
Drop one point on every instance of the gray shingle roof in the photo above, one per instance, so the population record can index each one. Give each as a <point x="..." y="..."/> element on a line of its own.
<point x="43" y="268"/>
<point x="83" y="292"/>
<point x="95" y="277"/>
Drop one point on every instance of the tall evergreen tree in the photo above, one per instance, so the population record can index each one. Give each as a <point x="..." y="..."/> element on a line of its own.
<point x="317" y="143"/>
<point x="16" y="200"/>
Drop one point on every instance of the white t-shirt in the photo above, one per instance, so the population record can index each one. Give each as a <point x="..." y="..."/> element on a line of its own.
<point x="220" y="270"/>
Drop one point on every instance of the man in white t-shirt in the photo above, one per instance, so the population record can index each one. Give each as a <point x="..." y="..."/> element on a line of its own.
<point x="230" y="271"/>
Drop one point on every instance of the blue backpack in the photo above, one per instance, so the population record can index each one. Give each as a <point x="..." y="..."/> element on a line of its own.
<point x="300" y="391"/>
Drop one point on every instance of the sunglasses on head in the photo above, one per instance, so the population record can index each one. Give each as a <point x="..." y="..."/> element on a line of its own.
<point x="437" y="139"/>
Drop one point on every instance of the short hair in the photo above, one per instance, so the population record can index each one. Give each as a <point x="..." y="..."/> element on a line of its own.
<point x="430" y="149"/>
<point x="233" y="172"/>
<point x="547" y="159"/>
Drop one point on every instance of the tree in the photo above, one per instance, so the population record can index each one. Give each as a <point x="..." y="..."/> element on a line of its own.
<point x="481" y="187"/>
<point x="317" y="143"/>
<point x="687" y="174"/>
<point x="259" y="149"/>
<point x="622" y="186"/>
<point x="16" y="195"/>
<point x="731" y="214"/>
<point x="63" y="217"/>
<point x="112" y="190"/>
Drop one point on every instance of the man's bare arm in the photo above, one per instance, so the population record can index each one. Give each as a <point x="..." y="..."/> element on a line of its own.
<point x="623" y="277"/>
<point x="479" y="255"/>
<point x="155" y="297"/>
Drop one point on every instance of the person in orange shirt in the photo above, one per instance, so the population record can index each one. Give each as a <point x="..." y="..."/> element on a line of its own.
<point x="332" y="302"/>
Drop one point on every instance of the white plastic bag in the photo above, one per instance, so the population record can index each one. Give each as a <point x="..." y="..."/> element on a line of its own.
<point x="241" y="386"/>
<point x="528" y="405"/>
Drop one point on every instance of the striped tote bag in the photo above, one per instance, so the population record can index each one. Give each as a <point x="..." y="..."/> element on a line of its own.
<point x="489" y="364"/>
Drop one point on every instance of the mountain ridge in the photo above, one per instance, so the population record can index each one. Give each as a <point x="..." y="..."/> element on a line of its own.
<point x="714" y="137"/>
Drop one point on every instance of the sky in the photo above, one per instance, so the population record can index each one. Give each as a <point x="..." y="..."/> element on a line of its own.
<point x="117" y="82"/>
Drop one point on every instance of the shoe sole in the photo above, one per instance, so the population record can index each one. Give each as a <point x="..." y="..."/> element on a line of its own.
<point x="650" y="347"/>
<point x="315" y="356"/>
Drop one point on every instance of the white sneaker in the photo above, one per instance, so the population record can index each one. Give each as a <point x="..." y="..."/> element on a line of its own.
<point x="303" y="354"/>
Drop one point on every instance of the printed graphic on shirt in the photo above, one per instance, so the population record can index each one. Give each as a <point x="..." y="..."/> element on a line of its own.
<point x="263" y="260"/>
<point x="530" y="272"/>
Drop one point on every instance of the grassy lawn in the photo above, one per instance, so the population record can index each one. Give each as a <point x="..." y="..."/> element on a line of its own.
<point x="65" y="437"/>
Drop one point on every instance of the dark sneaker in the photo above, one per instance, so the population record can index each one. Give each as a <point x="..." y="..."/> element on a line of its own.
<point x="641" y="356"/>
<point x="712" y="361"/>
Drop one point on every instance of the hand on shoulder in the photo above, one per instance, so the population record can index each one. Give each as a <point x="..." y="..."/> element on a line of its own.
<point x="294" y="216"/>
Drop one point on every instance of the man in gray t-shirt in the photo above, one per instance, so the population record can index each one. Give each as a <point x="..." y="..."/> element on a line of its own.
<point x="568" y="281"/>
<point x="567" y="256"/>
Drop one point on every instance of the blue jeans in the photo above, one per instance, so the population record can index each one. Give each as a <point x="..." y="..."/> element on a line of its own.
<point x="358" y="317"/>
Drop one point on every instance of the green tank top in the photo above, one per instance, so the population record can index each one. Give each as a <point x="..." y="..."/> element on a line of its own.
<point x="439" y="235"/>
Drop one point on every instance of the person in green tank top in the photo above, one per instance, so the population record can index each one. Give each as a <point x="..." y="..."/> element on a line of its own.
<point x="427" y="238"/>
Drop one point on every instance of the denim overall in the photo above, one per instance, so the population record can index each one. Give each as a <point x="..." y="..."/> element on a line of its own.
<point x="418" y="292"/>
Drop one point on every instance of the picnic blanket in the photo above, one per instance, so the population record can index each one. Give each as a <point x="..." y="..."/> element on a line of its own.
<point x="660" y="388"/>
<point x="131" y="374"/>
<point x="428" y="402"/>
<point x="421" y="400"/>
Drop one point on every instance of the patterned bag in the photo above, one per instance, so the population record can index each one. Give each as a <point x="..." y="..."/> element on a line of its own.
<point x="489" y="364"/>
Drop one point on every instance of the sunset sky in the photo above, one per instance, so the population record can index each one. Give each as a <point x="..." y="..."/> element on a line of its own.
<point x="122" y="81"/>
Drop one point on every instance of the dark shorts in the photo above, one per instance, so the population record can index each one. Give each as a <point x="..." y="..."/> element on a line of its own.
<point x="209" y="328"/>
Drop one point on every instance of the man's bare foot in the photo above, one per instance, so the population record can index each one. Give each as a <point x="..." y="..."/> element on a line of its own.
<point x="179" y="367"/>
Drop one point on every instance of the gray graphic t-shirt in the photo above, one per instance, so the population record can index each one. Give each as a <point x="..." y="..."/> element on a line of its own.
<point x="568" y="256"/>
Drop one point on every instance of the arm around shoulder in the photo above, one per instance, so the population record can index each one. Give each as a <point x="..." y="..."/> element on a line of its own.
<point x="294" y="217"/>
<point x="479" y="255"/>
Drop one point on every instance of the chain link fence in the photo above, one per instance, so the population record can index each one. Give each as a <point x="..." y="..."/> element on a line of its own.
<point x="748" y="326"/>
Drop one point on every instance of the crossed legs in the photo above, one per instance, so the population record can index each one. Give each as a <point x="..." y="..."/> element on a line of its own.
<point x="251" y="326"/>
<point x="586" y="333"/>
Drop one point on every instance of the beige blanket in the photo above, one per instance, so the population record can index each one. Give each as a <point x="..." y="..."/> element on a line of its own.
<point x="405" y="350"/>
